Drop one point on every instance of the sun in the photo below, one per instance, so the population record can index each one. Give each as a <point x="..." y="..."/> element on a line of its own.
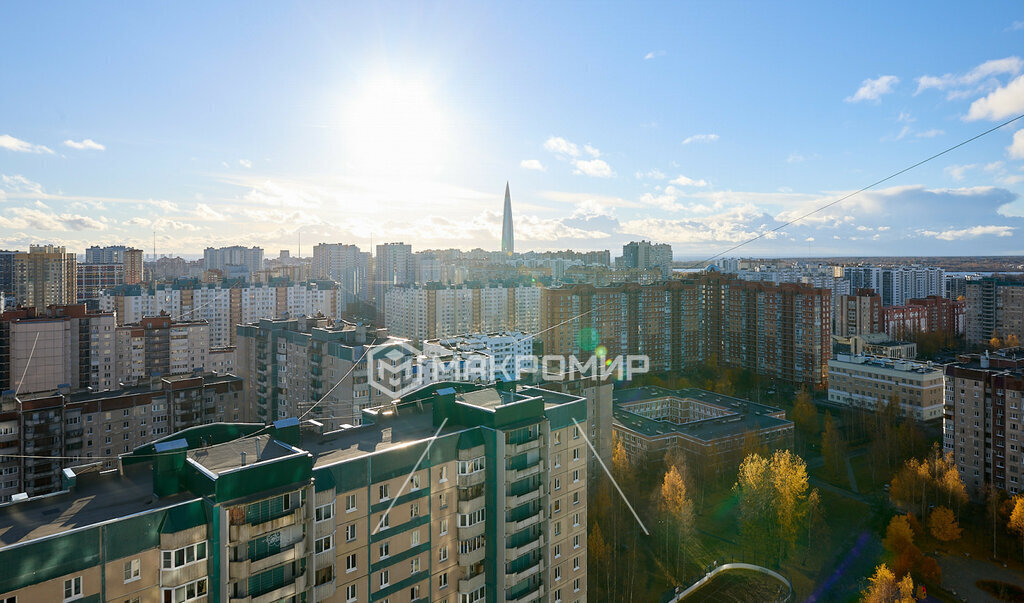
<point x="395" y="126"/>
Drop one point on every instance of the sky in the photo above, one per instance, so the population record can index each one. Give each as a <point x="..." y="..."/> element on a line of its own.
<point x="699" y="124"/>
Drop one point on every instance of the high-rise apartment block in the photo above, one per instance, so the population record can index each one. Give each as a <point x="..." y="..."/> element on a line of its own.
<point x="345" y="265"/>
<point x="897" y="284"/>
<point x="436" y="312"/>
<point x="45" y="276"/>
<point x="43" y="434"/>
<point x="129" y="257"/>
<point x="392" y="266"/>
<point x="644" y="255"/>
<point x="61" y="347"/>
<point x="159" y="347"/>
<point x="994" y="308"/>
<point x="982" y="426"/>
<point x="7" y="272"/>
<point x="858" y="314"/>
<point x="463" y="494"/>
<point x="222" y="307"/>
<point x="234" y="260"/>
<point x="780" y="331"/>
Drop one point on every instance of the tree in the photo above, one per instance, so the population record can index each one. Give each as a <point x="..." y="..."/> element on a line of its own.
<point x="933" y="479"/>
<point x="1012" y="341"/>
<point x="805" y="415"/>
<point x="1016" y="523"/>
<point x="677" y="510"/>
<point x="993" y="501"/>
<point x="773" y="501"/>
<point x="833" y="448"/>
<point x="898" y="535"/>
<point x="943" y="525"/>
<point x="884" y="588"/>
<point x="754" y="486"/>
<point x="598" y="552"/>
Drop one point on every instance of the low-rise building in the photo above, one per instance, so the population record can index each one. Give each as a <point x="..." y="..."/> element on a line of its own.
<point x="708" y="428"/>
<point x="872" y="381"/>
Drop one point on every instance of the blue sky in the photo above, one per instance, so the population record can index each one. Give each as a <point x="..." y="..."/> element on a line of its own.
<point x="697" y="124"/>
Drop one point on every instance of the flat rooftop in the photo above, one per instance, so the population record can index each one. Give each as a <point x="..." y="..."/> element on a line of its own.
<point x="229" y="455"/>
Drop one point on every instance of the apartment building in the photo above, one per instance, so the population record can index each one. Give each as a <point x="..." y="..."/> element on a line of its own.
<point x="45" y="276"/>
<point x="994" y="308"/>
<point x="346" y="265"/>
<point x="37" y="431"/>
<point x="465" y="494"/>
<point x="430" y="312"/>
<point x="393" y="265"/>
<point x="982" y="424"/>
<point x="780" y="331"/>
<point x="222" y="307"/>
<point x="930" y="315"/>
<point x="228" y="259"/>
<point x="708" y="428"/>
<point x="159" y="347"/>
<point x="506" y="350"/>
<point x="917" y="388"/>
<point x="897" y="284"/>
<point x="42" y="350"/>
<point x="858" y="314"/>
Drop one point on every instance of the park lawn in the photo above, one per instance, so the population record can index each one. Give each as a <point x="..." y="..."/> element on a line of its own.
<point x="862" y="472"/>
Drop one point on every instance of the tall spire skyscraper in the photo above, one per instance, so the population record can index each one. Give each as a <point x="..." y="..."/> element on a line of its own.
<point x="507" y="240"/>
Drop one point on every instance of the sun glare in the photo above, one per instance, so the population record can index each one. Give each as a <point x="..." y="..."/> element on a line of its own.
<point x="395" y="126"/>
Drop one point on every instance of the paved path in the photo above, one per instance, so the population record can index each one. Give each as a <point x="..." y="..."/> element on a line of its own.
<point x="959" y="574"/>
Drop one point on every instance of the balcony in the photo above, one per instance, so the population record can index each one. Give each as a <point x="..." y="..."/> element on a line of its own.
<point x="515" y="526"/>
<point x="526" y="573"/>
<point x="533" y="595"/>
<point x="245" y="531"/>
<point x="473" y="557"/>
<point x="514" y="449"/>
<point x="512" y="502"/>
<point x="519" y="551"/>
<point x="288" y="590"/>
<point x="471" y="479"/>
<point x="468" y="506"/>
<point x="238" y="570"/>
<point x="471" y="585"/>
<point x="514" y="475"/>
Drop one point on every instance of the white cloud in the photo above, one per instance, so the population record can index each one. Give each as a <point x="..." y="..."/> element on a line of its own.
<point x="43" y="219"/>
<point x="164" y="205"/>
<point x="969" y="233"/>
<point x="1016" y="148"/>
<point x="1016" y="26"/>
<point x="87" y="144"/>
<point x="596" y="168"/>
<point x="561" y="146"/>
<point x="874" y="89"/>
<point x="653" y="174"/>
<point x="969" y="80"/>
<point x="245" y="163"/>
<point x="994" y="166"/>
<point x="957" y="172"/>
<point x="654" y="54"/>
<point x="532" y="164"/>
<point x="593" y="152"/>
<point x="20" y="146"/>
<point x="701" y="138"/>
<point x="21" y="184"/>
<point x="1000" y="103"/>
<point x="930" y="133"/>
<point x="684" y="181"/>
<point x="205" y="212"/>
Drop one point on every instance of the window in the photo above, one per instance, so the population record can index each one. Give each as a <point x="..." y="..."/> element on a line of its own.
<point x="414" y="538"/>
<point x="73" y="588"/>
<point x="576" y="585"/>
<point x="558" y="572"/>
<point x="414" y="565"/>
<point x="558" y="438"/>
<point x="384" y="578"/>
<point x="350" y="593"/>
<point x="324" y="575"/>
<point x="385" y="520"/>
<point x="383" y="492"/>
<point x="575" y="563"/>
<point x="558" y="595"/>
<point x="414" y="510"/>
<point x="558" y="528"/>
<point x="472" y="466"/>
<point x="184" y="556"/>
<point x="186" y="592"/>
<point x="576" y="541"/>
<point x="473" y="597"/>
<point x="442" y="553"/>
<point x="132" y="570"/>
<point x="469" y="519"/>
<point x="443" y="528"/>
<point x="444" y="474"/>
<point x="350" y="532"/>
<point x="325" y="512"/>
<point x="576" y="497"/>
<point x="558" y="550"/>
<point x="385" y="550"/>
<point x="324" y="544"/>
<point x="576" y="432"/>
<point x="350" y="563"/>
<point x="558" y="483"/>
<point x="575" y="454"/>
<point x="557" y="505"/>
<point x="415" y="483"/>
<point x="558" y="459"/>
<point x="575" y="475"/>
<point x="442" y="500"/>
<point x="350" y="503"/>
<point x="414" y="593"/>
<point x="442" y="581"/>
<point x="575" y="519"/>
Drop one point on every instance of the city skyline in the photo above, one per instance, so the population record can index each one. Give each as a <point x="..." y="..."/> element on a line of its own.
<point x="381" y="125"/>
